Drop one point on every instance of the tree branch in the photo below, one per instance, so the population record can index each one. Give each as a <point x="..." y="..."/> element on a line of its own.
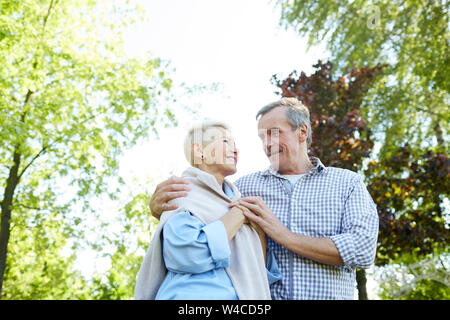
<point x="427" y="111"/>
<point x="27" y="99"/>
<point x="28" y="207"/>
<point x="32" y="160"/>
<point x="48" y="14"/>
<point x="46" y="147"/>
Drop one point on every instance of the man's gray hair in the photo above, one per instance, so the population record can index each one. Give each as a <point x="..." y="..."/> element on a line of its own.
<point x="297" y="114"/>
<point x="198" y="134"/>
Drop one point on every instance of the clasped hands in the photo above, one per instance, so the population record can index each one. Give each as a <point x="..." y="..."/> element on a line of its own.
<point x="260" y="216"/>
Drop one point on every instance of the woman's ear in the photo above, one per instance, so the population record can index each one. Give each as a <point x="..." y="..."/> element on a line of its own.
<point x="197" y="153"/>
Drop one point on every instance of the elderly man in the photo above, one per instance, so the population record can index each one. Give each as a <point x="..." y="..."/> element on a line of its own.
<point x="321" y="222"/>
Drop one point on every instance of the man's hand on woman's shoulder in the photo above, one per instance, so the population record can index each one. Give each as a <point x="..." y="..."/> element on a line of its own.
<point x="172" y="188"/>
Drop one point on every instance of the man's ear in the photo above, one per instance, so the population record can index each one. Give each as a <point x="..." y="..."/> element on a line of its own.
<point x="302" y="133"/>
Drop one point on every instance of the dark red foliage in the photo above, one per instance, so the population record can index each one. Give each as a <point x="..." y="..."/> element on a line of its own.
<point x="408" y="188"/>
<point x="341" y="137"/>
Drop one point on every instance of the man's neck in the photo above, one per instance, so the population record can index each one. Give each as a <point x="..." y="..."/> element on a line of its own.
<point x="303" y="165"/>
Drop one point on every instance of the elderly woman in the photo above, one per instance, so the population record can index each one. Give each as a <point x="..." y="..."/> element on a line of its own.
<point x="205" y="249"/>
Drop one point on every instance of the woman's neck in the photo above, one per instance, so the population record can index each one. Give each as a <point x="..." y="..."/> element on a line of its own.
<point x="219" y="176"/>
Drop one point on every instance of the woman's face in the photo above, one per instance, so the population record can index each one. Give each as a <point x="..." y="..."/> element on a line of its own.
<point x="220" y="154"/>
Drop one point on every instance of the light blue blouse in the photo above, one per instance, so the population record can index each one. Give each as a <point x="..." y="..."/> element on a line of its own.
<point x="196" y="256"/>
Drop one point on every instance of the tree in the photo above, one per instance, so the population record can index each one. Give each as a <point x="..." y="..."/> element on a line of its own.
<point x="410" y="103"/>
<point x="409" y="187"/>
<point x="37" y="267"/>
<point x="417" y="278"/>
<point x="71" y="102"/>
<point x="128" y="245"/>
<point x="340" y="135"/>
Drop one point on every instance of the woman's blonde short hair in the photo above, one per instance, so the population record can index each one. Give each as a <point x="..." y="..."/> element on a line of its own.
<point x="198" y="134"/>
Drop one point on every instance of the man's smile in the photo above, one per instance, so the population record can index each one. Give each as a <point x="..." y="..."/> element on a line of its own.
<point x="271" y="153"/>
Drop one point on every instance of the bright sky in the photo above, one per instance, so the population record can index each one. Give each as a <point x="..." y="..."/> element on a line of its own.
<point x="237" y="44"/>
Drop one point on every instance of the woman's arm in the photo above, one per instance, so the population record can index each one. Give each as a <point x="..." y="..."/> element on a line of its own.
<point x="232" y="221"/>
<point x="189" y="246"/>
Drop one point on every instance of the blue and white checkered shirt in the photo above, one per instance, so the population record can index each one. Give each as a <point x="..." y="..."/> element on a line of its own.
<point x="326" y="202"/>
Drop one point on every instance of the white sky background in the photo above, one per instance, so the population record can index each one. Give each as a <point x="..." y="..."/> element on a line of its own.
<point x="238" y="44"/>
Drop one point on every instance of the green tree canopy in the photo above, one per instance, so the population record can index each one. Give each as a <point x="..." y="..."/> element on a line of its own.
<point x="413" y="277"/>
<point x="409" y="187"/>
<point x="410" y="103"/>
<point x="71" y="101"/>
<point x="128" y="245"/>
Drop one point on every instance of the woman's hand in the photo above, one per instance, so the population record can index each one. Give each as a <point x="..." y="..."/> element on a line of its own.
<point x="259" y="213"/>
<point x="319" y="249"/>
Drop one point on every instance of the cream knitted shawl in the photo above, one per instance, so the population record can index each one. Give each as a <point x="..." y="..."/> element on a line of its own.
<point x="208" y="202"/>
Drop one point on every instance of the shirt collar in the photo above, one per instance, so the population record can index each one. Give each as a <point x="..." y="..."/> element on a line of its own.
<point x="318" y="168"/>
<point x="227" y="189"/>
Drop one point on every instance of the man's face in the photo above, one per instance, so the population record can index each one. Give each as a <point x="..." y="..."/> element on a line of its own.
<point x="281" y="144"/>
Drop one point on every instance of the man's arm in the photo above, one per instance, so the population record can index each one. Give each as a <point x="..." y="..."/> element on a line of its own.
<point x="319" y="249"/>
<point x="176" y="187"/>
<point x="355" y="246"/>
<point x="357" y="242"/>
<point x="169" y="189"/>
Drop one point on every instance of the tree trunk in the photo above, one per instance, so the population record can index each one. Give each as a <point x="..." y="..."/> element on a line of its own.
<point x="11" y="184"/>
<point x="361" y="283"/>
<point x="7" y="202"/>
<point x="439" y="134"/>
